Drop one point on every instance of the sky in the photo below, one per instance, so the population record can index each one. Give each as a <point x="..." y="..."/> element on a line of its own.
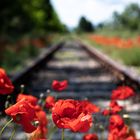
<point x="70" y="11"/>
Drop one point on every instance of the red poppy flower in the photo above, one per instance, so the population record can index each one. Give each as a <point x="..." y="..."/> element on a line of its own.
<point x="41" y="115"/>
<point x="114" y="108"/>
<point x="59" y="86"/>
<point x="23" y="113"/>
<point x="112" y="136"/>
<point x="90" y="137"/>
<point x="115" y="121"/>
<point x="90" y="107"/>
<point x="117" y="129"/>
<point x="118" y="133"/>
<point x="70" y="114"/>
<point x="122" y="93"/>
<point x="33" y="100"/>
<point x="41" y="131"/>
<point x="6" y="86"/>
<point x="106" y="112"/>
<point x="122" y="133"/>
<point x="82" y="123"/>
<point x="49" y="102"/>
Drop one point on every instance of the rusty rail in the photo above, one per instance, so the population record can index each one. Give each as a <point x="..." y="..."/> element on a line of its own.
<point x="123" y="73"/>
<point x="25" y="75"/>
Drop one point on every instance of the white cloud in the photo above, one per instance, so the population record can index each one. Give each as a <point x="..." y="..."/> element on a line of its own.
<point x="96" y="11"/>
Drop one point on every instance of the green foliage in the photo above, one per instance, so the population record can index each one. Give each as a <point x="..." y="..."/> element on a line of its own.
<point x="128" y="56"/>
<point x="123" y="33"/>
<point x="85" y="25"/>
<point x="13" y="60"/>
<point x="14" y="17"/>
<point x="33" y="18"/>
<point x="129" y="19"/>
<point x="131" y="56"/>
<point x="22" y="16"/>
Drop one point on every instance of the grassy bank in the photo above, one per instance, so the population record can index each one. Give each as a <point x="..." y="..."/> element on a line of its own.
<point x="129" y="56"/>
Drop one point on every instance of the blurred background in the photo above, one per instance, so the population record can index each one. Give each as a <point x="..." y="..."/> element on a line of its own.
<point x="28" y="26"/>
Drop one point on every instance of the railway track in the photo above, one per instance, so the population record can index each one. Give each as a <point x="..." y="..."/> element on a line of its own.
<point x="89" y="76"/>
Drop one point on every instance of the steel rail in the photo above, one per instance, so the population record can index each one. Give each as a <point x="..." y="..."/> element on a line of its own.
<point x="123" y="73"/>
<point x="25" y="75"/>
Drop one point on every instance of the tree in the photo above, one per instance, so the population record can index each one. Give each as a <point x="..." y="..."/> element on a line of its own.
<point x="128" y="19"/>
<point x="13" y="17"/>
<point x="22" y="16"/>
<point x="85" y="25"/>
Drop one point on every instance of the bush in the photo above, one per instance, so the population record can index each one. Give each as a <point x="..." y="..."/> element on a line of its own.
<point x="131" y="56"/>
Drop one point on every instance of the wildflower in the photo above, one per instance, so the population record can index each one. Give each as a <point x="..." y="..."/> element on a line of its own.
<point x="33" y="100"/>
<point x="59" y="86"/>
<point x="106" y="112"/>
<point x="41" y="131"/>
<point x="120" y="131"/>
<point x="70" y="114"/>
<point x="115" y="121"/>
<point x="49" y="102"/>
<point x="117" y="128"/>
<point x="122" y="93"/>
<point x="6" y="85"/>
<point x="90" y="107"/>
<point x="114" y="108"/>
<point x="23" y="113"/>
<point x="90" y="137"/>
<point x="124" y="133"/>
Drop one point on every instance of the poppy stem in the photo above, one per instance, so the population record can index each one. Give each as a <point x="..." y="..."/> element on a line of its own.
<point x="102" y="136"/>
<point x="5" y="126"/>
<point x="62" y="136"/>
<point x="13" y="133"/>
<point x="22" y="87"/>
